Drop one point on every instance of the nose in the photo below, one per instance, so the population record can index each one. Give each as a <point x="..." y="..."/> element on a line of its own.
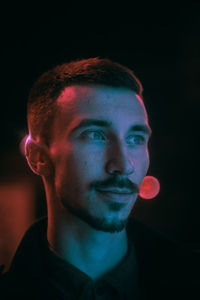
<point x="118" y="161"/>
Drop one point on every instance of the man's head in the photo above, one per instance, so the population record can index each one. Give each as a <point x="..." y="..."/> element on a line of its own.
<point x="88" y="139"/>
<point x="42" y="101"/>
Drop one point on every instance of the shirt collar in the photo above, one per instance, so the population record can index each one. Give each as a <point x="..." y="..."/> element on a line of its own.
<point x="69" y="279"/>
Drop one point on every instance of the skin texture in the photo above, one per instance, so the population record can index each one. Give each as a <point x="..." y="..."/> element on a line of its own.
<point x="87" y="227"/>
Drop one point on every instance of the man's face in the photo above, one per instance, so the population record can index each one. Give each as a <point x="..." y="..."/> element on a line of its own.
<point x="99" y="151"/>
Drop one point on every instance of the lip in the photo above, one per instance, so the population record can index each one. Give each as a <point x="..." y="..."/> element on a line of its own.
<point x="115" y="195"/>
<point x="116" y="191"/>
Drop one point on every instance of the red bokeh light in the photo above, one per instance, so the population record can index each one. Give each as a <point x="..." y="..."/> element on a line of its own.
<point x="149" y="188"/>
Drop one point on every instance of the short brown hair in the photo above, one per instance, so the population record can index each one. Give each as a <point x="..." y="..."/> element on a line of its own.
<point x="45" y="91"/>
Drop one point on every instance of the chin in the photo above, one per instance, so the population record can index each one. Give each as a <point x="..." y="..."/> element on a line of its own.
<point x="106" y="224"/>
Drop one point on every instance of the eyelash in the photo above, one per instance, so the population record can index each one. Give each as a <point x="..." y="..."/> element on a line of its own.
<point x="142" y="139"/>
<point x="85" y="135"/>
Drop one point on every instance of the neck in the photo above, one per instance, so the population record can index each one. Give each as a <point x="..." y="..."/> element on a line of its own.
<point x="92" y="251"/>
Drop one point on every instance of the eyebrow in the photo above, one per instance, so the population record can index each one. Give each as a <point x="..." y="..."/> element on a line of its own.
<point x="106" y="124"/>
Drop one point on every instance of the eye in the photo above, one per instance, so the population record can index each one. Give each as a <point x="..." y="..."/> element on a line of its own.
<point x="136" y="140"/>
<point x="95" y="135"/>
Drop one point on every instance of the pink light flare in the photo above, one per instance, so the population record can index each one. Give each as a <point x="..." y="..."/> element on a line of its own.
<point x="22" y="144"/>
<point x="149" y="188"/>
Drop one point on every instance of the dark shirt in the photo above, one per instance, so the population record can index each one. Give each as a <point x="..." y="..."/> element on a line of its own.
<point x="154" y="268"/>
<point x="120" y="283"/>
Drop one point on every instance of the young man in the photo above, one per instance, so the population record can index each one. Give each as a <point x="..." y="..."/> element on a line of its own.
<point x="88" y="140"/>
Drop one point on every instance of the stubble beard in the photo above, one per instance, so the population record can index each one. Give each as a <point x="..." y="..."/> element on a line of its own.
<point x="97" y="223"/>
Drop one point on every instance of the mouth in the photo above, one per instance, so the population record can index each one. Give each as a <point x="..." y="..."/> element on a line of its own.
<point x="118" y="195"/>
<point x="116" y="191"/>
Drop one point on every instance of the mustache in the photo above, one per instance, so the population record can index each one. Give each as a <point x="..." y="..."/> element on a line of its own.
<point x="115" y="182"/>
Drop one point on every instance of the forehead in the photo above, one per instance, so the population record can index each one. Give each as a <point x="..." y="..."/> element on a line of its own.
<point x="118" y="105"/>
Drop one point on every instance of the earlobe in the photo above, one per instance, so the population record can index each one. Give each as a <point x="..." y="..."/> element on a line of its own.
<point x="37" y="158"/>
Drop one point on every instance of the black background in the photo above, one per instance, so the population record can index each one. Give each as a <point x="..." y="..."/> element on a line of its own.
<point x="162" y="46"/>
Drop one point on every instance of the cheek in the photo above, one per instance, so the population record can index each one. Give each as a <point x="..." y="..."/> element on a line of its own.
<point x="86" y="162"/>
<point x="146" y="166"/>
<point x="146" y="156"/>
<point x="146" y="163"/>
<point x="142" y="161"/>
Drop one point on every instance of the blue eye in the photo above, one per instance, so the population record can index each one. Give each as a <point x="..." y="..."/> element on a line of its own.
<point x="136" y="140"/>
<point x="93" y="135"/>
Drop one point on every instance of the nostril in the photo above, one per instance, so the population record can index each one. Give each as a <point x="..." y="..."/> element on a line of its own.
<point x="114" y="168"/>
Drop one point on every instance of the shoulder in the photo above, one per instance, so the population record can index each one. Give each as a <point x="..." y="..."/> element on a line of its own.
<point x="150" y="240"/>
<point x="3" y="276"/>
<point x="163" y="259"/>
<point x="26" y="268"/>
<point x="5" y="284"/>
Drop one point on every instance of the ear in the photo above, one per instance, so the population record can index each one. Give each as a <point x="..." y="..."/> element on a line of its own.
<point x="38" y="158"/>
